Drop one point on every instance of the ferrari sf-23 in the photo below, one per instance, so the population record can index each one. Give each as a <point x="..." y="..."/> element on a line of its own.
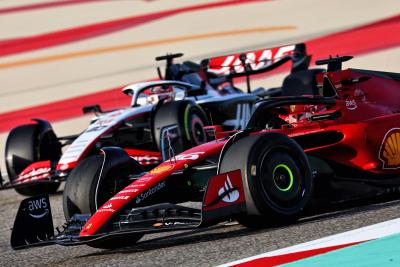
<point x="339" y="144"/>
<point x="188" y="97"/>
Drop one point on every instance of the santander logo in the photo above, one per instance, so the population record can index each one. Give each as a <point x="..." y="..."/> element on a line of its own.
<point x="230" y="194"/>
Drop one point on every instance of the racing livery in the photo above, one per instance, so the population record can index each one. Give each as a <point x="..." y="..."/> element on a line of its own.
<point x="186" y="98"/>
<point x="298" y="150"/>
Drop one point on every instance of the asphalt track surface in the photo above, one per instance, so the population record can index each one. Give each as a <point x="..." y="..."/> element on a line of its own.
<point x="207" y="247"/>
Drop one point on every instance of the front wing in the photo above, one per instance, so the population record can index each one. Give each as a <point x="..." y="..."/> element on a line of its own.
<point x="223" y="199"/>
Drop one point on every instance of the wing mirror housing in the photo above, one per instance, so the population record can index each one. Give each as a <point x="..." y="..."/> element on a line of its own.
<point x="214" y="132"/>
<point x="93" y="108"/>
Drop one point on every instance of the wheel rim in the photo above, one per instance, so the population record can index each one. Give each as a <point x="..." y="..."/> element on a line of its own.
<point x="283" y="177"/>
<point x="197" y="130"/>
<point x="281" y="180"/>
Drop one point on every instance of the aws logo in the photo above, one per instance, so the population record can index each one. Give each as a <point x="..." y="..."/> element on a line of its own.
<point x="38" y="208"/>
<point x="389" y="152"/>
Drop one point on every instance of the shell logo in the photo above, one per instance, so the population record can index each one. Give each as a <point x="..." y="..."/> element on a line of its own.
<point x="160" y="169"/>
<point x="389" y="152"/>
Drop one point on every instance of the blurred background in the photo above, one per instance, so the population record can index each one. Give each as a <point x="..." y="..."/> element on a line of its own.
<point x="58" y="56"/>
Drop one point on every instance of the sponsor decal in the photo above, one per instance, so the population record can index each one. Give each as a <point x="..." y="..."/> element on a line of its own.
<point x="223" y="190"/>
<point x="158" y="224"/>
<point x="228" y="193"/>
<point x="106" y="208"/>
<point x="145" y="178"/>
<point x="95" y="129"/>
<point x="106" y="121"/>
<point x="136" y="185"/>
<point x="389" y="152"/>
<point x="150" y="192"/>
<point x="174" y="223"/>
<point x="161" y="169"/>
<point x="351" y="104"/>
<point x="129" y="191"/>
<point x="120" y="198"/>
<point x="253" y="170"/>
<point x="35" y="172"/>
<point x="38" y="208"/>
<point x="190" y="156"/>
<point x="224" y="196"/>
<point x="256" y="59"/>
<point x="359" y="95"/>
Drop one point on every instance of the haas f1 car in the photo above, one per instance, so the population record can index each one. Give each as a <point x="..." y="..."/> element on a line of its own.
<point x="338" y="144"/>
<point x="188" y="97"/>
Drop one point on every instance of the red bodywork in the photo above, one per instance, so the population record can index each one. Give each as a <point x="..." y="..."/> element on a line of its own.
<point x="368" y="128"/>
<point x="144" y="157"/>
<point x="152" y="179"/>
<point x="369" y="112"/>
<point x="36" y="171"/>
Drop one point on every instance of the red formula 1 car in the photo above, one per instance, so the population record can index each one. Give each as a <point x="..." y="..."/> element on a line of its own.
<point x="188" y="97"/>
<point x="342" y="143"/>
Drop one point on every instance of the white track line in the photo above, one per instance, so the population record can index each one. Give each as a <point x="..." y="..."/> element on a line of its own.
<point x="358" y="235"/>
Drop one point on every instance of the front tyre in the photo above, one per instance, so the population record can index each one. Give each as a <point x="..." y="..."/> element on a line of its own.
<point x="276" y="176"/>
<point x="96" y="179"/>
<point x="27" y="144"/>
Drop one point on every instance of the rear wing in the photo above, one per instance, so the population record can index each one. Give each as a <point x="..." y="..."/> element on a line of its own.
<point x="258" y="61"/>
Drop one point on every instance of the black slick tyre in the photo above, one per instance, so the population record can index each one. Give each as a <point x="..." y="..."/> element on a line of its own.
<point x="96" y="179"/>
<point x="277" y="178"/>
<point x="25" y="145"/>
<point x="189" y="119"/>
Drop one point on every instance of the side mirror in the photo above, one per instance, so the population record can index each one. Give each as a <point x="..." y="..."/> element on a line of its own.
<point x="213" y="132"/>
<point x="356" y="80"/>
<point x="93" y="108"/>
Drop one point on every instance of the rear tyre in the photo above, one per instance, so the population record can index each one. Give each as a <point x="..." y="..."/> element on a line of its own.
<point x="276" y="176"/>
<point x="189" y="119"/>
<point x="27" y="144"/>
<point x="96" y="179"/>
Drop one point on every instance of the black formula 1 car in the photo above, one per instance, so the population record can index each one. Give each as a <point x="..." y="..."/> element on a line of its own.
<point x="186" y="98"/>
<point x="339" y="144"/>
